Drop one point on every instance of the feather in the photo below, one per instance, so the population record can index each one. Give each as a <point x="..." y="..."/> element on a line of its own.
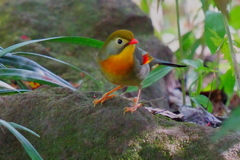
<point x="146" y="58"/>
<point x="165" y="63"/>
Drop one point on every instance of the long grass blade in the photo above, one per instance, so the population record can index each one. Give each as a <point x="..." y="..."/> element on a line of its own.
<point x="25" y="143"/>
<point x="10" y="92"/>
<point x="44" y="56"/>
<point x="26" y="75"/>
<point x="17" y="126"/>
<point x="25" y="63"/>
<point x="73" y="40"/>
<point x="5" y="85"/>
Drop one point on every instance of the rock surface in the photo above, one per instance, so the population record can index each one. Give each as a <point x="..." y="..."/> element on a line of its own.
<point x="72" y="128"/>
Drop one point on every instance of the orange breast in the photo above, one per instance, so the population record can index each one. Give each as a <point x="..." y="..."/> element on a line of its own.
<point x="120" y="64"/>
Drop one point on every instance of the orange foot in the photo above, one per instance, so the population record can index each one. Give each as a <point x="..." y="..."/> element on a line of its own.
<point x="103" y="99"/>
<point x="133" y="108"/>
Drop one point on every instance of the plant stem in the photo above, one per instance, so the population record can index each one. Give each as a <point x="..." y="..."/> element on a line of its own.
<point x="233" y="55"/>
<point x="181" y="53"/>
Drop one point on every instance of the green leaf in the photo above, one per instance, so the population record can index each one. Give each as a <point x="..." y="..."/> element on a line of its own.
<point x="203" y="100"/>
<point x="231" y="124"/>
<point x="202" y="69"/>
<point x="74" y="67"/>
<point x="25" y="63"/>
<point x="25" y="143"/>
<point x="236" y="43"/>
<point x="211" y="86"/>
<point x="236" y="40"/>
<point x="73" y="40"/>
<point x="214" y="22"/>
<point x="131" y="89"/>
<point x="187" y="40"/>
<point x="79" y="41"/>
<point x="17" y="126"/>
<point x="153" y="76"/>
<point x="194" y="63"/>
<point x="199" y="86"/>
<point x="193" y="48"/>
<point x="223" y="44"/>
<point x="227" y="54"/>
<point x="234" y="17"/>
<point x="20" y="84"/>
<point x="10" y="92"/>
<point x="26" y="75"/>
<point x="5" y="85"/>
<point x="191" y="92"/>
<point x="228" y="82"/>
<point x="217" y="41"/>
<point x="205" y="4"/>
<point x="144" y="6"/>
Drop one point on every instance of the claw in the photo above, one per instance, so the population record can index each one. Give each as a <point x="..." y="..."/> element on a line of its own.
<point x="106" y="96"/>
<point x="103" y="99"/>
<point x="132" y="109"/>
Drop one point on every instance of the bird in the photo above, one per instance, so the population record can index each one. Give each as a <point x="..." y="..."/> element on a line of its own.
<point x="124" y="64"/>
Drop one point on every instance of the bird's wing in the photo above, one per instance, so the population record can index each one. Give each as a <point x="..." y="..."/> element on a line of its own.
<point x="141" y="67"/>
<point x="142" y="56"/>
<point x="146" y="58"/>
<point x="144" y="61"/>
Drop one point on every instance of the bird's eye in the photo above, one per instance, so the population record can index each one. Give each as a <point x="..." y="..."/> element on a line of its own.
<point x="119" y="41"/>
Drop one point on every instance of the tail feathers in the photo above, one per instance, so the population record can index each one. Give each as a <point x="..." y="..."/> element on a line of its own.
<point x="160" y="62"/>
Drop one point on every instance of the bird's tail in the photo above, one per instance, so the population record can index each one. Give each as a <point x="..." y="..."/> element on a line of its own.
<point x="165" y="63"/>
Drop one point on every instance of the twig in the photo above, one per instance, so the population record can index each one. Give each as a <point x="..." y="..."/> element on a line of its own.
<point x="181" y="53"/>
<point x="232" y="53"/>
<point x="154" y="100"/>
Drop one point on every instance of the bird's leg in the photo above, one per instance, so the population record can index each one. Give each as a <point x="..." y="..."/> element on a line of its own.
<point x="107" y="96"/>
<point x="136" y="104"/>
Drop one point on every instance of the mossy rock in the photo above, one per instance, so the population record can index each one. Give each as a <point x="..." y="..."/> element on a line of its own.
<point x="72" y="128"/>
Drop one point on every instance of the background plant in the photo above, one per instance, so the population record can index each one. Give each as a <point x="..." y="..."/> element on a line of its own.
<point x="208" y="29"/>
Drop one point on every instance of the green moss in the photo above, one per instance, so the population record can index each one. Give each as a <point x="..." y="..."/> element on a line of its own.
<point x="153" y="152"/>
<point x="72" y="128"/>
<point x="164" y="121"/>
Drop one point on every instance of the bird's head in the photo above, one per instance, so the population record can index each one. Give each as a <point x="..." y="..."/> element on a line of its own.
<point x="116" y="42"/>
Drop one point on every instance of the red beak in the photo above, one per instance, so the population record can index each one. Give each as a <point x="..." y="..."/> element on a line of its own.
<point x="133" y="41"/>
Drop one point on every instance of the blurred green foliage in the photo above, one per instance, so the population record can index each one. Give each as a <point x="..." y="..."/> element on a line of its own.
<point x="206" y="34"/>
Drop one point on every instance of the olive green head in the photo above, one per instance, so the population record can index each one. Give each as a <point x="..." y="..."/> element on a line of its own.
<point x="115" y="43"/>
<point x="124" y="34"/>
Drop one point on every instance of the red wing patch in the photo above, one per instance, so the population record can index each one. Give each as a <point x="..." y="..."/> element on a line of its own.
<point x="146" y="58"/>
